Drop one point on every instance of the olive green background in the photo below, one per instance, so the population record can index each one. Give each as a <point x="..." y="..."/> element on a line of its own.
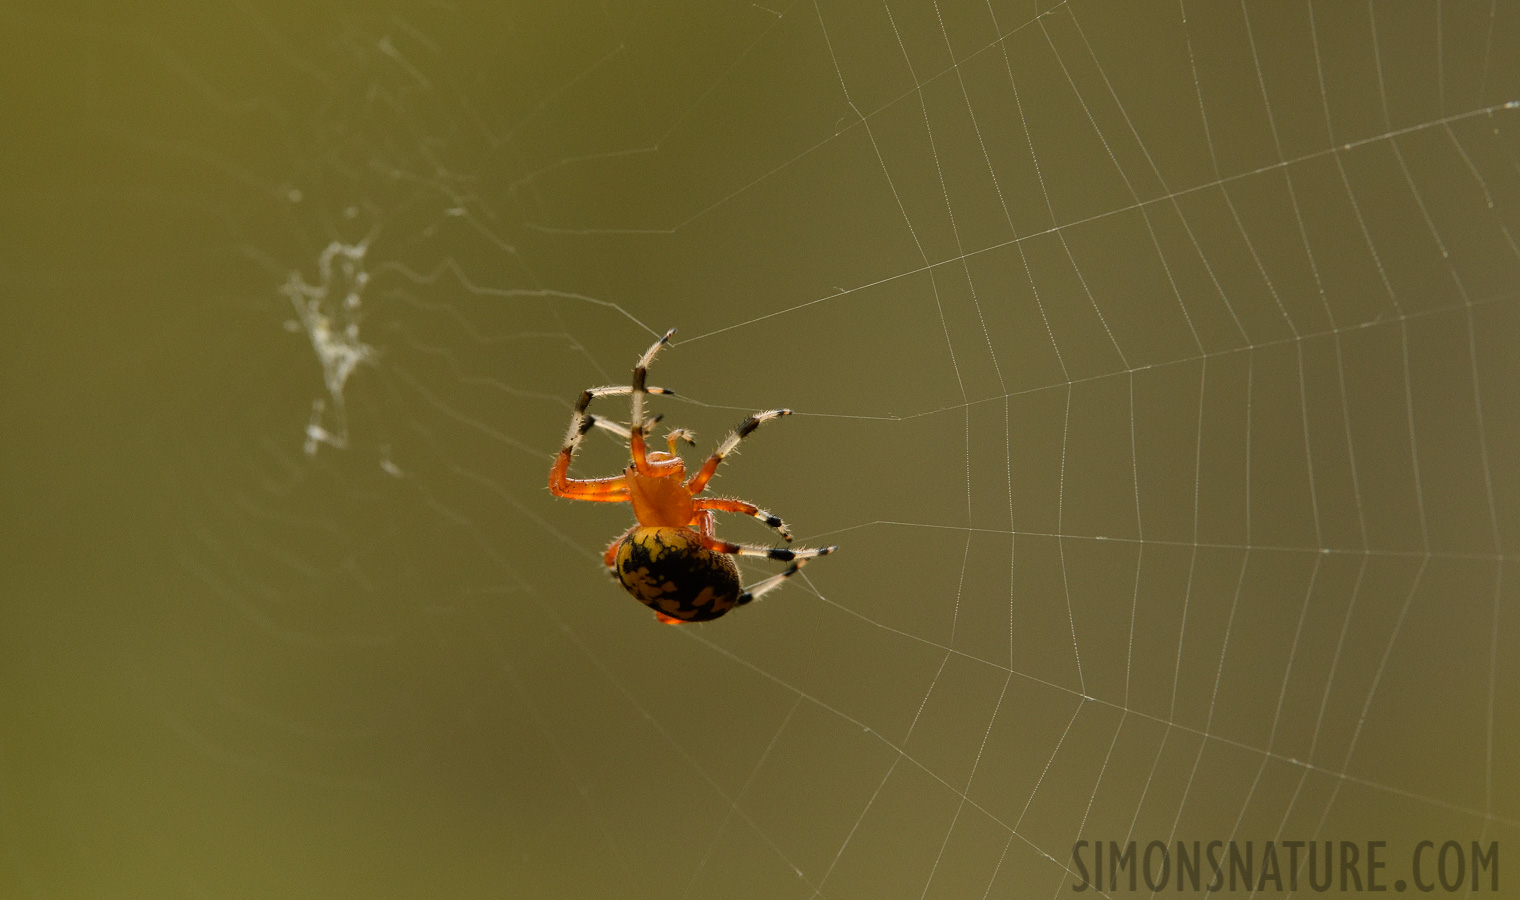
<point x="1154" y="369"/>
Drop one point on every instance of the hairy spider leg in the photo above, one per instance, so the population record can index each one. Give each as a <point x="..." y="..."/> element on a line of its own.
<point x="671" y="439"/>
<point x="618" y="428"/>
<point x="705" y="523"/>
<point x="613" y="489"/>
<point x="612" y="390"/>
<point x="769" y="584"/>
<point x="598" y="490"/>
<point x="781" y="553"/>
<point x="705" y="474"/>
<point x="725" y="504"/>
<point x="578" y="414"/>
<point x="636" y="420"/>
<point x="609" y="425"/>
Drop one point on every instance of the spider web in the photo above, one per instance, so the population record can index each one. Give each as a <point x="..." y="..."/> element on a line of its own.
<point x="1153" y="370"/>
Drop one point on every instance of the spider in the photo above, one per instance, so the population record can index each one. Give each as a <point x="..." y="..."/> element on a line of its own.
<point x="670" y="560"/>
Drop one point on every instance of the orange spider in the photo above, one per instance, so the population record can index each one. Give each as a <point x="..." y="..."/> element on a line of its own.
<point x="670" y="561"/>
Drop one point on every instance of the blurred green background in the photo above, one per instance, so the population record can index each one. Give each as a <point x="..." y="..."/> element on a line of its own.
<point x="1154" y="370"/>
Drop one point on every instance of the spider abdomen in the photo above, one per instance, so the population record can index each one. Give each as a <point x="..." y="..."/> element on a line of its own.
<point x="668" y="570"/>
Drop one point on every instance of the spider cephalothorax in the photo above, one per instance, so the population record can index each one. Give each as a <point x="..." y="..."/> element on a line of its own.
<point x="671" y="561"/>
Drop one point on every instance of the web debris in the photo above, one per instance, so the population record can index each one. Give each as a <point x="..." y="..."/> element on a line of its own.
<point x="333" y="326"/>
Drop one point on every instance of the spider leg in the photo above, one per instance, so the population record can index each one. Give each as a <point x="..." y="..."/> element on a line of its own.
<point x="636" y="420"/>
<point x="764" y="587"/>
<point x="781" y="553"/>
<point x="612" y="390"/>
<point x="603" y="490"/>
<point x="749" y="509"/>
<point x="596" y="490"/>
<point x="599" y="490"/>
<point x="618" y="428"/>
<point x="615" y="390"/>
<point x="705" y="474"/>
<point x="578" y="415"/>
